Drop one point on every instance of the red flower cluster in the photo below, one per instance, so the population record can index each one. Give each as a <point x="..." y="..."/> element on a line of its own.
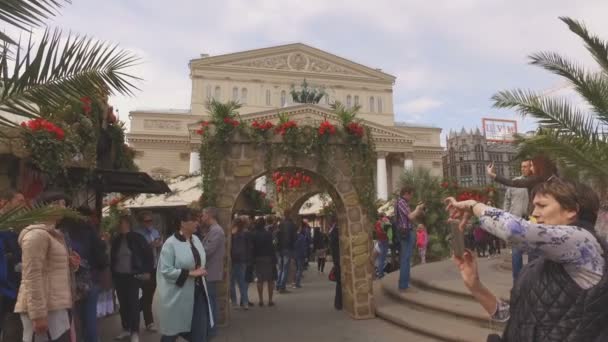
<point x="469" y="195"/>
<point x="204" y="125"/>
<point x="327" y="127"/>
<point x="115" y="201"/>
<point x="282" y="128"/>
<point x="355" y="129"/>
<point x="37" y="125"/>
<point x="291" y="181"/>
<point x="262" y="126"/>
<point x="86" y="104"/>
<point x="231" y="121"/>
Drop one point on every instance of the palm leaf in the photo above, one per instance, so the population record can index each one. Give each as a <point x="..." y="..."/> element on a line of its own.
<point x="221" y="110"/>
<point x="23" y="14"/>
<point x="22" y="217"/>
<point x="346" y="115"/>
<point x="592" y="87"/>
<point x="554" y="113"/>
<point x="596" y="46"/>
<point x="53" y="73"/>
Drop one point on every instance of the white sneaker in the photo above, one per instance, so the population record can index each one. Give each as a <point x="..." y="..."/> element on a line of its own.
<point x="122" y="335"/>
<point x="151" y="327"/>
<point x="134" y="337"/>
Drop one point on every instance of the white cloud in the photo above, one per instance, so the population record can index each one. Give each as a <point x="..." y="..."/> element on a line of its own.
<point x="420" y="105"/>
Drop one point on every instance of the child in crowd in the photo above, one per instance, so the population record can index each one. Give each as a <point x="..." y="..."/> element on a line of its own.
<point x="422" y="240"/>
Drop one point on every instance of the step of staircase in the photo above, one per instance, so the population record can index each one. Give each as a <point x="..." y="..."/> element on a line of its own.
<point x="451" y="316"/>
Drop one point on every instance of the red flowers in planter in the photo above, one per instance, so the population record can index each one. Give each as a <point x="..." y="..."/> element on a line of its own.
<point x="37" y="125"/>
<point x="262" y="126"/>
<point x="327" y="128"/>
<point x="284" y="127"/>
<point x="231" y="121"/>
<point x="355" y="129"/>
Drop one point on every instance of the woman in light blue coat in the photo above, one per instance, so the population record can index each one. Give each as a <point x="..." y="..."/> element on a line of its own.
<point x="183" y="306"/>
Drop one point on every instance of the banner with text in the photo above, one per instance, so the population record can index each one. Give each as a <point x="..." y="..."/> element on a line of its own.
<point x="499" y="130"/>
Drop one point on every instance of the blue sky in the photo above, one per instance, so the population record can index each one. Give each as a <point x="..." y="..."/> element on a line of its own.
<point x="449" y="56"/>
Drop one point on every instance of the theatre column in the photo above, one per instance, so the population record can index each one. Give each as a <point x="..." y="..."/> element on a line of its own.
<point x="381" y="177"/>
<point x="195" y="162"/>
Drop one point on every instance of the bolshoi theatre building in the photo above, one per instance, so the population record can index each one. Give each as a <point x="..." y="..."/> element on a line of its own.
<point x="261" y="80"/>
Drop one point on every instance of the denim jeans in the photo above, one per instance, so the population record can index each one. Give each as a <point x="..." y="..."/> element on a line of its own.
<point x="238" y="278"/>
<point x="86" y="309"/>
<point x="405" y="255"/>
<point x="284" y="260"/>
<point x="212" y="293"/>
<point x="517" y="261"/>
<point x="381" y="260"/>
<point x="300" y="262"/>
<point x="199" y="328"/>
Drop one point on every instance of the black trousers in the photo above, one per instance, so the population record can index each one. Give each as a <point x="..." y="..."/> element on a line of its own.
<point x="321" y="264"/>
<point x="148" y="288"/>
<point x="10" y="322"/>
<point x="127" y="291"/>
<point x="338" y="296"/>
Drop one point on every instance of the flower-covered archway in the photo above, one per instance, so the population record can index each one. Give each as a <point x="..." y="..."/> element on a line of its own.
<point x="336" y="152"/>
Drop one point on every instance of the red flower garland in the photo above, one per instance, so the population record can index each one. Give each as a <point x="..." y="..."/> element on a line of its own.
<point x="262" y="126"/>
<point x="289" y="180"/>
<point x="282" y="129"/>
<point x="327" y="127"/>
<point x="40" y="124"/>
<point x="355" y="129"/>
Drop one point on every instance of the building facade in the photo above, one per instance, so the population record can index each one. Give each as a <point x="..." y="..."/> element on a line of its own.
<point x="468" y="154"/>
<point x="261" y="80"/>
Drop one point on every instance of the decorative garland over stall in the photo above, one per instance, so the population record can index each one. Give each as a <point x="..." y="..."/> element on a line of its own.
<point x="295" y="142"/>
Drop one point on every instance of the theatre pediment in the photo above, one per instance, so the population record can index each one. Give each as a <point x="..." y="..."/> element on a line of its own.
<point x="293" y="58"/>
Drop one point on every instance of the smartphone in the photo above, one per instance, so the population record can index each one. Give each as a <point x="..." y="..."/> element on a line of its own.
<point x="457" y="240"/>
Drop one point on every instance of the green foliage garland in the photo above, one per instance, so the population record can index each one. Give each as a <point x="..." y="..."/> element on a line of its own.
<point x="297" y="141"/>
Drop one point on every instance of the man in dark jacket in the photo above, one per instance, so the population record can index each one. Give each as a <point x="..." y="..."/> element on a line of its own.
<point x="10" y="271"/>
<point x="287" y="244"/>
<point x="334" y="246"/>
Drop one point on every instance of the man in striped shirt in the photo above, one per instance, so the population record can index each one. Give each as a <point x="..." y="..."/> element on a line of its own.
<point x="404" y="216"/>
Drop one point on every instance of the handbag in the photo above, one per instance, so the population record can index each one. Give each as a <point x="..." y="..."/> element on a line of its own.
<point x="332" y="274"/>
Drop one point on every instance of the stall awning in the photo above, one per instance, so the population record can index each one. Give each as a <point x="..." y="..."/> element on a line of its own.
<point x="127" y="182"/>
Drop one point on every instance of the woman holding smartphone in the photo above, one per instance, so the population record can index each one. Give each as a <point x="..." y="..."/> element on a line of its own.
<point x="560" y="296"/>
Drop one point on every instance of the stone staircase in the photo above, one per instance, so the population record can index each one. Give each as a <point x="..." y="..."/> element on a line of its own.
<point x="437" y="309"/>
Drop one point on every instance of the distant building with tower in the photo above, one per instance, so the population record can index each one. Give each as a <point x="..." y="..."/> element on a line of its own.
<point x="469" y="152"/>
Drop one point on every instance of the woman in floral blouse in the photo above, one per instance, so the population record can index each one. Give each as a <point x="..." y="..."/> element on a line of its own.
<point x="564" y="237"/>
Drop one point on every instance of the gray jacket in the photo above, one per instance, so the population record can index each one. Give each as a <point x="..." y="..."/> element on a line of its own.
<point x="215" y="249"/>
<point x="516" y="201"/>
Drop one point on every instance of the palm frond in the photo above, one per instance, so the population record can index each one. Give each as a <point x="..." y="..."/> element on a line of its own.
<point x="592" y="87"/>
<point x="553" y="113"/>
<point x="53" y="73"/>
<point x="220" y="110"/>
<point x="22" y="217"/>
<point x="346" y="115"/>
<point x="25" y="13"/>
<point x="596" y="46"/>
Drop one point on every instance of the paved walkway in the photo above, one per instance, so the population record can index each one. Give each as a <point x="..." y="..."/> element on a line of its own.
<point x="303" y="315"/>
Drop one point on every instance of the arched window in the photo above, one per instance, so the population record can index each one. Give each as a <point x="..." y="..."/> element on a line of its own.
<point x="283" y="98"/>
<point x="244" y="95"/>
<point x="208" y="92"/>
<point x="372" y="104"/>
<point x="218" y="93"/>
<point x="356" y="100"/>
<point x="235" y="94"/>
<point x="349" y="101"/>
<point x="268" y="102"/>
<point x="379" y="105"/>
